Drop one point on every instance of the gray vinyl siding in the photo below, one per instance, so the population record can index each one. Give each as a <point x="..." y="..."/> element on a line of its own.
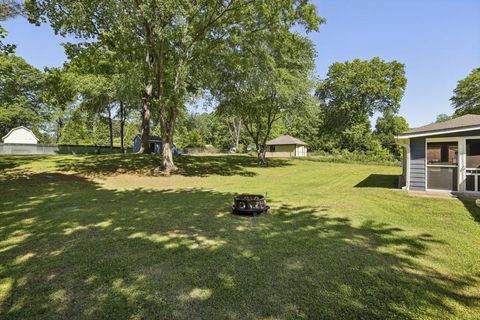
<point x="417" y="163"/>
<point x="137" y="143"/>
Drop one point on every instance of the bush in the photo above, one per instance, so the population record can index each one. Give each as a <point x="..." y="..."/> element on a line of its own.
<point x="381" y="156"/>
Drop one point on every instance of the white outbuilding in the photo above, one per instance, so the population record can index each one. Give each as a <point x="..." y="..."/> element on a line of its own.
<point x="286" y="147"/>
<point x="20" y="135"/>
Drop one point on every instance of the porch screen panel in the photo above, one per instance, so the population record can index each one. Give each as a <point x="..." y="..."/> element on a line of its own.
<point x="473" y="154"/>
<point x="472" y="182"/>
<point x="442" y="178"/>
<point x="442" y="165"/>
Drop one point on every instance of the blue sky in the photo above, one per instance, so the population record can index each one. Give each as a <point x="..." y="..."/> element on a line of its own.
<point x="437" y="40"/>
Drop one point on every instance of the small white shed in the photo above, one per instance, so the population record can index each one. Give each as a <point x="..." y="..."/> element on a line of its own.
<point x="285" y="147"/>
<point x="20" y="135"/>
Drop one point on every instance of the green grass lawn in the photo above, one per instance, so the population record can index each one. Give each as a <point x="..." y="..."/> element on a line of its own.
<point x="95" y="237"/>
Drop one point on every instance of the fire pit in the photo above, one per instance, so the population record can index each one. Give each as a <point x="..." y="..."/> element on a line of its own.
<point x="250" y="204"/>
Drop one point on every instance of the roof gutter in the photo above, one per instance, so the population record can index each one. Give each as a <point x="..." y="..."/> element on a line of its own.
<point x="434" y="133"/>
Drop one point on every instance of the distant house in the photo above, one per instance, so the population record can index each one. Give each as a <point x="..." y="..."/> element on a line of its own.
<point x="20" y="135"/>
<point x="154" y="141"/>
<point x="285" y="147"/>
<point x="443" y="156"/>
<point x="155" y="145"/>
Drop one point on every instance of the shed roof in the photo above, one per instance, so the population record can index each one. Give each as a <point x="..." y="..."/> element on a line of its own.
<point x="463" y="123"/>
<point x="150" y="138"/>
<point x="282" y="140"/>
<point x="18" y="128"/>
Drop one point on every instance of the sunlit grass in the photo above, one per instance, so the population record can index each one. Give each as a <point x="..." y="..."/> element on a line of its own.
<point x="100" y="237"/>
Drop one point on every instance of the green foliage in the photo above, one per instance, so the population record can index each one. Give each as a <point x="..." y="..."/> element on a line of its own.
<point x="8" y="9"/>
<point x="83" y="128"/>
<point x="76" y="130"/>
<point x="20" y="94"/>
<point x="351" y="94"/>
<point x="444" y="117"/>
<point x="170" y="41"/>
<point x="131" y="130"/>
<point x="271" y="82"/>
<point x="355" y="90"/>
<point x="466" y="96"/>
<point x="382" y="157"/>
<point x="305" y="124"/>
<point x="387" y="128"/>
<point x="5" y="48"/>
<point x="60" y="96"/>
<point x="201" y="129"/>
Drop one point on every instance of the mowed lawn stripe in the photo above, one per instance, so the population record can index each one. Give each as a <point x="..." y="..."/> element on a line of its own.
<point x="97" y="237"/>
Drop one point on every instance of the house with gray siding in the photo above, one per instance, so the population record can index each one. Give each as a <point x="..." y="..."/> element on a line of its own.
<point x="155" y="143"/>
<point x="443" y="156"/>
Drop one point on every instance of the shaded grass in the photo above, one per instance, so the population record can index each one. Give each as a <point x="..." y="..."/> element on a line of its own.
<point x="338" y="243"/>
<point x="200" y="166"/>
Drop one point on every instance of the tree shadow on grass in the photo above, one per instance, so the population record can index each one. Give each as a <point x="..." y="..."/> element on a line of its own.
<point x="12" y="162"/>
<point x="388" y="181"/>
<point x="472" y="207"/>
<point x="199" y="166"/>
<point x="72" y="250"/>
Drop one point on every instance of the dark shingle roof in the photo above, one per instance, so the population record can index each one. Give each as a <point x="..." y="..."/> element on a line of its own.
<point x="285" y="140"/>
<point x="151" y="138"/>
<point x="463" y="122"/>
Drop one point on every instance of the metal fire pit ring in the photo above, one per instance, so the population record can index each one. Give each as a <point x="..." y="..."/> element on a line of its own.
<point x="250" y="204"/>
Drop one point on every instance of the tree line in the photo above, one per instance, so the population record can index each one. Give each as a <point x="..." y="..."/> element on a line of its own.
<point x="139" y="67"/>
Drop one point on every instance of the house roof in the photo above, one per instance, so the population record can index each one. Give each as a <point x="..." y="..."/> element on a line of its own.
<point x="17" y="128"/>
<point x="282" y="140"/>
<point x="463" y="123"/>
<point x="150" y="138"/>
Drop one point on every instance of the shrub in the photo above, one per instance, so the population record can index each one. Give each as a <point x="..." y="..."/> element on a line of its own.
<point x="381" y="156"/>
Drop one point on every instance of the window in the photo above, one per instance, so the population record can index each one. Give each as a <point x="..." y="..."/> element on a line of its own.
<point x="272" y="148"/>
<point x="442" y="153"/>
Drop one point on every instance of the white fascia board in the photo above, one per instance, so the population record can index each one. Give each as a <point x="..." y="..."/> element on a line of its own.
<point x="434" y="133"/>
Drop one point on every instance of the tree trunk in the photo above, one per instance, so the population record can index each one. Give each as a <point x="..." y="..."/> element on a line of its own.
<point x="59" y="130"/>
<point x="122" y="126"/>
<point x="235" y="130"/>
<point x="167" y="120"/>
<point x="261" y="150"/>
<point x="148" y="93"/>
<point x="110" y="127"/>
<point x="238" y="133"/>
<point x="167" y="155"/>
<point x="145" y="147"/>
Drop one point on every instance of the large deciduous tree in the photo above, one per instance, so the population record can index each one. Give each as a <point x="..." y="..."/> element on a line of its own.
<point x="21" y="88"/>
<point x="387" y="128"/>
<point x="60" y="96"/>
<point x="353" y="91"/>
<point x="305" y="123"/>
<point x="274" y="77"/>
<point x="466" y="96"/>
<point x="173" y="40"/>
